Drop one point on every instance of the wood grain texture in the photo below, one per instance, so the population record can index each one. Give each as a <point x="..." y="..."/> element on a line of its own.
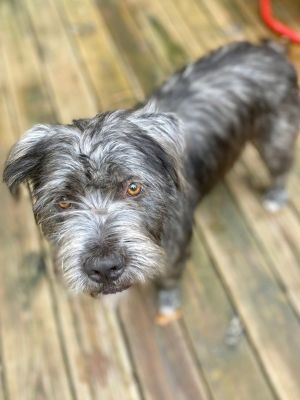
<point x="31" y="346"/>
<point x="258" y="297"/>
<point x="239" y="335"/>
<point x="105" y="67"/>
<point x="58" y="57"/>
<point x="217" y="334"/>
<point x="164" y="365"/>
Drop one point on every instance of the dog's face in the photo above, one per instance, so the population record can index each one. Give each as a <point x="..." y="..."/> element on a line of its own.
<point x="102" y="189"/>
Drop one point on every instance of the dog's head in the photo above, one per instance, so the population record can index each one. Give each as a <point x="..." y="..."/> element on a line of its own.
<point x="102" y="191"/>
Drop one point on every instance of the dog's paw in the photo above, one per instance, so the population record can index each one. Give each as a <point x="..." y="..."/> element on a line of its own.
<point x="275" y="200"/>
<point x="169" y="303"/>
<point x="165" y="319"/>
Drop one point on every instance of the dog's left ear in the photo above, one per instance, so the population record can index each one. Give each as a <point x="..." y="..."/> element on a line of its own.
<point x="24" y="157"/>
<point x="166" y="130"/>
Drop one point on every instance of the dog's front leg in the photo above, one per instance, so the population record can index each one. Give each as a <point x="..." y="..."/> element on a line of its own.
<point x="169" y="294"/>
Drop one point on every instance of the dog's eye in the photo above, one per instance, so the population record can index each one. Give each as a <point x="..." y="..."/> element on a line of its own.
<point x="134" y="189"/>
<point x="64" y="203"/>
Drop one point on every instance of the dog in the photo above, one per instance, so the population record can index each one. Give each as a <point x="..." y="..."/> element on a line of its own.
<point x="116" y="193"/>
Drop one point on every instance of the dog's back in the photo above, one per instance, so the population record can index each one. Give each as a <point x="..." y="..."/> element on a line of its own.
<point x="237" y="93"/>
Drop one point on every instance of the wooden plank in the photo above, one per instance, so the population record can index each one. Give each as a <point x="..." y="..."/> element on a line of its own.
<point x="221" y="21"/>
<point x="163" y="35"/>
<point x="201" y="22"/>
<point x="222" y="26"/>
<point x="101" y="59"/>
<point x="278" y="235"/>
<point x="294" y="181"/>
<point x="131" y="45"/>
<point x="3" y="389"/>
<point x="164" y="365"/>
<point x="252" y="18"/>
<point x="151" y="24"/>
<point x="260" y="301"/>
<point x="33" y="362"/>
<point x="217" y="334"/>
<point x="101" y="322"/>
<point x="71" y="91"/>
<point x="169" y="26"/>
<point x="4" y="126"/>
<point x="236" y="15"/>
<point x="25" y="80"/>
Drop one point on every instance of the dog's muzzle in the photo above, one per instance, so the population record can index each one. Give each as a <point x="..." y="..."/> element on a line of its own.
<point x="104" y="269"/>
<point x="105" y="272"/>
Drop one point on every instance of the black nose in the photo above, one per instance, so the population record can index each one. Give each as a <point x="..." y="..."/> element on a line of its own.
<point x="103" y="269"/>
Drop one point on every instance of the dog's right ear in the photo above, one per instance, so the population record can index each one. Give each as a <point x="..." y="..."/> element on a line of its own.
<point x="81" y="124"/>
<point x="24" y="158"/>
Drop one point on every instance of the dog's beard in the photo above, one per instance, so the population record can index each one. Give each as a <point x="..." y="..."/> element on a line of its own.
<point x="144" y="258"/>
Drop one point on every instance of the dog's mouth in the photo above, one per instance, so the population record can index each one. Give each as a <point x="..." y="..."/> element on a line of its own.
<point x="114" y="289"/>
<point x="109" y="289"/>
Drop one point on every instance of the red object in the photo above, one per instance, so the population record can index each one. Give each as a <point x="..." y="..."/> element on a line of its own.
<point x="274" y="24"/>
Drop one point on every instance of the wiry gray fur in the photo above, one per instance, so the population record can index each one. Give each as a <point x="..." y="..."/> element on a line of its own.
<point x="177" y="145"/>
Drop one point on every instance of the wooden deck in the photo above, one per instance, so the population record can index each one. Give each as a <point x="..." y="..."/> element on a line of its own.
<point x="239" y="337"/>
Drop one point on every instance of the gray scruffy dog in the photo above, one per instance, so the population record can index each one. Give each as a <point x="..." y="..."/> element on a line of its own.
<point x="116" y="193"/>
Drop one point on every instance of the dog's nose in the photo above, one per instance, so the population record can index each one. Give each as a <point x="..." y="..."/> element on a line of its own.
<point x="104" y="269"/>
